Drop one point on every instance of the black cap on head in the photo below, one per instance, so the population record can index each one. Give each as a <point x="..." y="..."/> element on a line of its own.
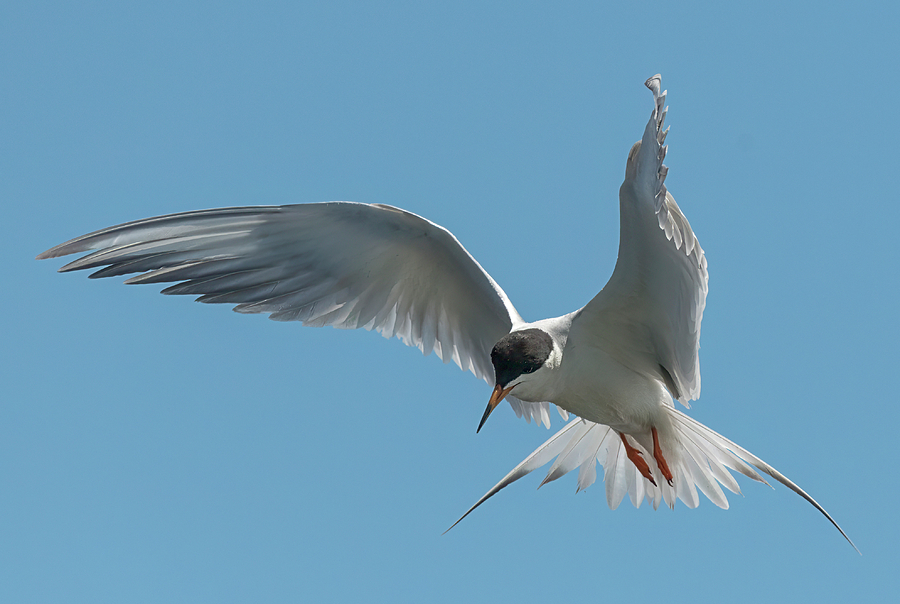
<point x="520" y="352"/>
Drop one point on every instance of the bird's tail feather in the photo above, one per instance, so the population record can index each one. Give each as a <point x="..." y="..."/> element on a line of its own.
<point x="702" y="461"/>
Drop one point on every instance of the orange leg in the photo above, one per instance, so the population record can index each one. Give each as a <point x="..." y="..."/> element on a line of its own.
<point x="660" y="460"/>
<point x="637" y="459"/>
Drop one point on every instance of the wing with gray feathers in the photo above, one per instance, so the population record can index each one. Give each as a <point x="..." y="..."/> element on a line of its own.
<point x="652" y="307"/>
<point x="343" y="264"/>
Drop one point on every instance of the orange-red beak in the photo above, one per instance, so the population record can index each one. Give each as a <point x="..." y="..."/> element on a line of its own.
<point x="497" y="395"/>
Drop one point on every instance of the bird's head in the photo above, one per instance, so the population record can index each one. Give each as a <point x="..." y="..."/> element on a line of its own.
<point x="520" y="360"/>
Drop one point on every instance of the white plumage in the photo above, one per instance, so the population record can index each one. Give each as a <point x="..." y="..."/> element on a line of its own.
<point x="616" y="364"/>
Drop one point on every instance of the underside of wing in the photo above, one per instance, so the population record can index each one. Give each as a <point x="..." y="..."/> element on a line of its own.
<point x="653" y="305"/>
<point x="342" y="264"/>
<point x="539" y="412"/>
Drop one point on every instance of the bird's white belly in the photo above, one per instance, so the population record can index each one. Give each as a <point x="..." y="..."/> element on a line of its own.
<point x="605" y="391"/>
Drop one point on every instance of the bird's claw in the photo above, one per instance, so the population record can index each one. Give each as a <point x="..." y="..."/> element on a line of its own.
<point x="637" y="458"/>
<point x="660" y="460"/>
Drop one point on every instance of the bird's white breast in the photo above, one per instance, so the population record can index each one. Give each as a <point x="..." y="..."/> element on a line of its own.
<point x="601" y="389"/>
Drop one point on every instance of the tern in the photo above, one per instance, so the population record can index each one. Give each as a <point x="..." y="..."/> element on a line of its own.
<point x="617" y="364"/>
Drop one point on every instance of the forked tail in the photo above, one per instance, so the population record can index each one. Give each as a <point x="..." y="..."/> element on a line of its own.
<point x="703" y="463"/>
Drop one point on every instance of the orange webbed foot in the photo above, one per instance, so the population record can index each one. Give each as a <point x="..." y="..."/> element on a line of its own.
<point x="660" y="460"/>
<point x="637" y="459"/>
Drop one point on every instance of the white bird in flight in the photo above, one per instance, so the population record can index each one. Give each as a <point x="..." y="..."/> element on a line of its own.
<point x="616" y="364"/>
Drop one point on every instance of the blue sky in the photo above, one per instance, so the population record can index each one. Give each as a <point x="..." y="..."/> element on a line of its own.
<point x="153" y="449"/>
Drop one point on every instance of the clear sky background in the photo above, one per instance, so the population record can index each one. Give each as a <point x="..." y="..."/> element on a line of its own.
<point x="157" y="450"/>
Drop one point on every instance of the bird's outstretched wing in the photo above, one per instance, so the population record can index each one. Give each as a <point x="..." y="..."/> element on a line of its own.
<point x="342" y="264"/>
<point x="649" y="313"/>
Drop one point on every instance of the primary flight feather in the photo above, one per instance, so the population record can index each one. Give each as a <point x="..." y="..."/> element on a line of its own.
<point x="617" y="364"/>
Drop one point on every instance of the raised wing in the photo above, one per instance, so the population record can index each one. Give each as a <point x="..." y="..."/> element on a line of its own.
<point x="343" y="264"/>
<point x="651" y="309"/>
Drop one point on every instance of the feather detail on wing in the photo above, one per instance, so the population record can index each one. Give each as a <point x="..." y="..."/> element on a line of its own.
<point x="701" y="460"/>
<point x="539" y="412"/>
<point x="651" y="309"/>
<point x="343" y="264"/>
